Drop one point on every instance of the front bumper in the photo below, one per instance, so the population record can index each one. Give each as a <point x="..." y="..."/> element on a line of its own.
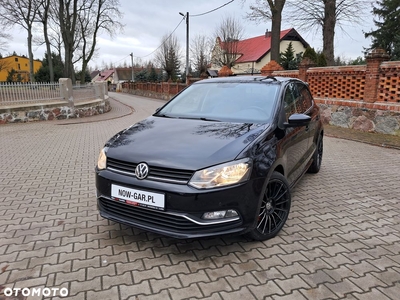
<point x="184" y="206"/>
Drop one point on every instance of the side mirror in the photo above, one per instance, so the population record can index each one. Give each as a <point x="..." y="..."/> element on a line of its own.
<point x="298" y="120"/>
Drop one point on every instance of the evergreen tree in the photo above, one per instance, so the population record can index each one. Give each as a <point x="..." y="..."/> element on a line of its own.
<point x="358" y="61"/>
<point x="13" y="76"/>
<point x="87" y="77"/>
<point x="387" y="34"/>
<point x="153" y="77"/>
<point x="168" y="56"/>
<point x="287" y="58"/>
<point x="141" y="76"/>
<point x="321" y="59"/>
<point x="311" y="54"/>
<point x="173" y="64"/>
<point x="43" y="74"/>
<point x="318" y="58"/>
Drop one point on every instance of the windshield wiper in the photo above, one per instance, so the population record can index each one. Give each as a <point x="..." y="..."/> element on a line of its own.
<point x="199" y="118"/>
<point x="164" y="116"/>
<point x="186" y="117"/>
<point x="212" y="120"/>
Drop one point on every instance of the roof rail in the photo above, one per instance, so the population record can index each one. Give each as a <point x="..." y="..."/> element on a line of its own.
<point x="269" y="77"/>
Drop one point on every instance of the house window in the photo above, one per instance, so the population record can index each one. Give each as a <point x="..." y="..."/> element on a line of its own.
<point x="26" y="65"/>
<point x="16" y="59"/>
<point x="19" y="67"/>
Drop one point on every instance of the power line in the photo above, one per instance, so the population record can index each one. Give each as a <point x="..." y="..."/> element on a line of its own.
<point x="197" y="15"/>
<point x="164" y="40"/>
<point x="156" y="48"/>
<point x="120" y="60"/>
<point x="210" y="11"/>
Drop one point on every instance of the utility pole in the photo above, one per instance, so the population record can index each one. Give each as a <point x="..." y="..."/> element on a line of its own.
<point x="133" y="74"/>
<point x="187" y="43"/>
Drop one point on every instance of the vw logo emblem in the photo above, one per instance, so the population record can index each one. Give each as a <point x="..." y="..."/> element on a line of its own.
<point x="141" y="171"/>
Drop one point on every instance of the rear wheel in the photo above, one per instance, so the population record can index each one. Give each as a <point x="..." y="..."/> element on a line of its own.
<point x="274" y="208"/>
<point x="317" y="157"/>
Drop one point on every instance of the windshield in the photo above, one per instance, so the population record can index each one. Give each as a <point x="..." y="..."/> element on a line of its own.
<point x="243" y="102"/>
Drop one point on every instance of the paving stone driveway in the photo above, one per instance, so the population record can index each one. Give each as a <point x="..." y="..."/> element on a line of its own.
<point x="342" y="239"/>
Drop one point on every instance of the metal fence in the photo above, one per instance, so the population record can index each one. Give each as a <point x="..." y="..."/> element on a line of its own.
<point x="28" y="93"/>
<point x="12" y="93"/>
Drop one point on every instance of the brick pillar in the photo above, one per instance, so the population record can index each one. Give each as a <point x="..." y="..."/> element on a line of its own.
<point x="270" y="67"/>
<point x="225" y="72"/>
<point x="305" y="64"/>
<point x="372" y="73"/>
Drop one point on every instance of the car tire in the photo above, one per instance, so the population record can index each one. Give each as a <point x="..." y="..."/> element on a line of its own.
<point x="274" y="210"/>
<point x="317" y="157"/>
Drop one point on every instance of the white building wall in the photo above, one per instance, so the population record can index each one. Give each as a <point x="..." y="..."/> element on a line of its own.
<point x="247" y="66"/>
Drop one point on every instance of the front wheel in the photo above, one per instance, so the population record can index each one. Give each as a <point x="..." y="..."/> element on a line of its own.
<point x="274" y="208"/>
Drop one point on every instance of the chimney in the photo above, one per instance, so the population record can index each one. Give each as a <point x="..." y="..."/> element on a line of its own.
<point x="267" y="33"/>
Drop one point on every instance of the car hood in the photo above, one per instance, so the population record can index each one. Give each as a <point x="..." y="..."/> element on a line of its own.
<point x="182" y="143"/>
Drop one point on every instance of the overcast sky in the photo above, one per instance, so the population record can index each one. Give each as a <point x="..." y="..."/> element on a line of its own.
<point x="146" y="22"/>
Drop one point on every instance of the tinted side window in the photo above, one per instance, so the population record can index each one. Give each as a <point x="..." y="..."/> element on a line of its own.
<point x="305" y="99"/>
<point x="290" y="100"/>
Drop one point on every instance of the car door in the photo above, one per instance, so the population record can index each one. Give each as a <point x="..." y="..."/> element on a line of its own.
<point x="305" y="105"/>
<point x="296" y="137"/>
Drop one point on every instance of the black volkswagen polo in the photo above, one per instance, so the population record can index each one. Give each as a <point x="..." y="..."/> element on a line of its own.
<point x="220" y="158"/>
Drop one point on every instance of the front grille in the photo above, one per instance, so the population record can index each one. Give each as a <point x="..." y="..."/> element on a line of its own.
<point x="155" y="173"/>
<point x="158" y="220"/>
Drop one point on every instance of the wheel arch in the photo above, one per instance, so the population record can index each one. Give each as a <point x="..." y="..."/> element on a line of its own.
<point x="279" y="169"/>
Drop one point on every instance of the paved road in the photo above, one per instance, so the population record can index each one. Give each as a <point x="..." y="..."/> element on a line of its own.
<point x="342" y="239"/>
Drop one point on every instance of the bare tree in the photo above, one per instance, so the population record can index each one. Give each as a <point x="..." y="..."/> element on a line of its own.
<point x="169" y="55"/>
<point x="43" y="16"/>
<point x="265" y="10"/>
<point x="4" y="38"/>
<point x="96" y="17"/>
<point x="79" y="24"/>
<point x="200" y="50"/>
<point x="4" y="65"/>
<point x="325" y="15"/>
<point x="21" y="13"/>
<point x="68" y="11"/>
<point x="227" y="36"/>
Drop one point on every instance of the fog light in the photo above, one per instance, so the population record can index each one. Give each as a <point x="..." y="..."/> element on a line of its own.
<point x="214" y="215"/>
<point x="231" y="213"/>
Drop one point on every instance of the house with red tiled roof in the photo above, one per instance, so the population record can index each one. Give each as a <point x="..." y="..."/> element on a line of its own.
<point x="254" y="53"/>
<point x="106" y="75"/>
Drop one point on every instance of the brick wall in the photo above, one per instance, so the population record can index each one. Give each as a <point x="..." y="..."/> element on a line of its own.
<point x="364" y="97"/>
<point x="337" y="82"/>
<point x="389" y="82"/>
<point x="376" y="82"/>
<point x="158" y="90"/>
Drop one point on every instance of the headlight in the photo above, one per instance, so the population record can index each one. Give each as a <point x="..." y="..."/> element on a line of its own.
<point x="222" y="175"/>
<point x="102" y="161"/>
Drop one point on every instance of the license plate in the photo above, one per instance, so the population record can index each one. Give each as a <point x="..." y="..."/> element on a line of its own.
<point x="137" y="197"/>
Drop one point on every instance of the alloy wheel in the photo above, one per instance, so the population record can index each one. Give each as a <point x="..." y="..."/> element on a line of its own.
<point x="274" y="208"/>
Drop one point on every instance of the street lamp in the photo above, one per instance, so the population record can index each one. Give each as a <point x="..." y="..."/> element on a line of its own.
<point x="187" y="43"/>
<point x="133" y="75"/>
